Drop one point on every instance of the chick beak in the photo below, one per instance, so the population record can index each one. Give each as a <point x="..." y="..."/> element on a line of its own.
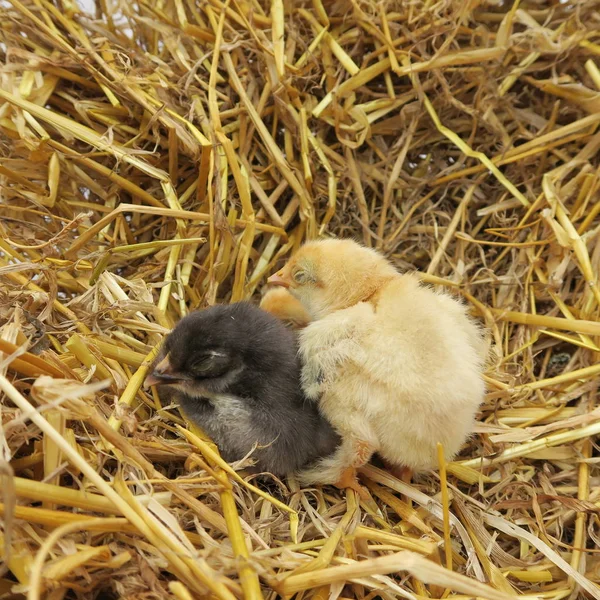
<point x="278" y="279"/>
<point x="162" y="375"/>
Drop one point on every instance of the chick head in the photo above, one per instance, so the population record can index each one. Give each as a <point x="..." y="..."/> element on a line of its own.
<point x="204" y="354"/>
<point x="328" y="275"/>
<point x="281" y="304"/>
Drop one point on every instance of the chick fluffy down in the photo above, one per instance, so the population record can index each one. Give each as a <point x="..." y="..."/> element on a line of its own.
<point x="402" y="372"/>
<point x="281" y="304"/>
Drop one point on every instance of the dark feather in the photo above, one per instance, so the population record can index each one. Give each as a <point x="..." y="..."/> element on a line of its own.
<point x="241" y="384"/>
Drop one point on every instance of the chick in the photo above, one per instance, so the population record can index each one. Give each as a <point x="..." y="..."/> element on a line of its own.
<point x="280" y="303"/>
<point x="235" y="371"/>
<point x="395" y="366"/>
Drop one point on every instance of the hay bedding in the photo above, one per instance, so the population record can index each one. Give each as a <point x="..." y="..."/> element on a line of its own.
<point x="162" y="156"/>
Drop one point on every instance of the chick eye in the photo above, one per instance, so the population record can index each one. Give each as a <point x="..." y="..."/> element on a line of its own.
<point x="300" y="277"/>
<point x="201" y="365"/>
<point x="213" y="363"/>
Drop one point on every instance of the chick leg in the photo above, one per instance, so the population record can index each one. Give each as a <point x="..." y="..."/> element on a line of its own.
<point x="348" y="480"/>
<point x="400" y="472"/>
<point x="340" y="468"/>
<point x="362" y="454"/>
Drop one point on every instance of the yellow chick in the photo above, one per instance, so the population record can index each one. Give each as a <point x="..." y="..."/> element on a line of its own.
<point x="395" y="366"/>
<point x="281" y="304"/>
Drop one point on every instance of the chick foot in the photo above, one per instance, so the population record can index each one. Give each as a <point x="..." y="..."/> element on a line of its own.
<point x="349" y="480"/>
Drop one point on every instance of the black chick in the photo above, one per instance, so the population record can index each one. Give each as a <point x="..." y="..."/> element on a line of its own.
<point x="235" y="372"/>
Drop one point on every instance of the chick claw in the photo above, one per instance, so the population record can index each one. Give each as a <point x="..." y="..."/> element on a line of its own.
<point x="348" y="479"/>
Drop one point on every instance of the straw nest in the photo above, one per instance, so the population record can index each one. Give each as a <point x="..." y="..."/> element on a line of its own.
<point x="162" y="156"/>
